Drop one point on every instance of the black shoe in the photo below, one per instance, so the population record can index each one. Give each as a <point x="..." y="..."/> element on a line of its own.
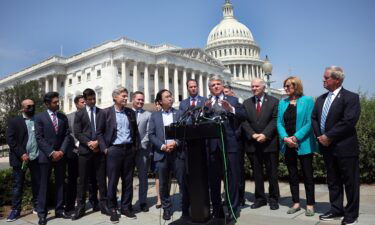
<point x="144" y="207"/>
<point x="274" y="205"/>
<point x="242" y="203"/>
<point x="104" y="209"/>
<point x="328" y="216"/>
<point x="114" y="217"/>
<point x="129" y="214"/>
<point x="42" y="221"/>
<point x="80" y="212"/>
<point x="349" y="221"/>
<point x="158" y="206"/>
<point x="62" y="215"/>
<point x="258" y="204"/>
<point x="95" y="207"/>
<point x="167" y="215"/>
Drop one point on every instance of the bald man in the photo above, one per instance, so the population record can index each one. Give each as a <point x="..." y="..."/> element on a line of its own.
<point x="23" y="154"/>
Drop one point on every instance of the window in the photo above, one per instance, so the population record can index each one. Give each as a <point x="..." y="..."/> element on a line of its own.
<point x="88" y="76"/>
<point x="99" y="97"/>
<point x="98" y="73"/>
<point x="79" y="79"/>
<point x="131" y="73"/>
<point x="70" y="103"/>
<point x="62" y="84"/>
<point x="152" y="76"/>
<point x="70" y="81"/>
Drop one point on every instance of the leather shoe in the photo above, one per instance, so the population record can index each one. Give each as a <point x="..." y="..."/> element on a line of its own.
<point x="80" y="211"/>
<point x="114" y="217"/>
<point x="274" y="205"/>
<point x="42" y="221"/>
<point x="349" y="221"/>
<point x="167" y="215"/>
<point x="62" y="215"/>
<point x="104" y="209"/>
<point x="144" y="207"/>
<point x="129" y="214"/>
<point x="258" y="204"/>
<point x="328" y="216"/>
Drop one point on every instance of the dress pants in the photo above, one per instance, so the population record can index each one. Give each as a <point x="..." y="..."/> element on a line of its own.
<point x="171" y="163"/>
<point x="143" y="160"/>
<point x="270" y="160"/>
<point x="70" y="188"/>
<point x="120" y="163"/>
<point x="343" y="172"/>
<point x="241" y="158"/>
<point x="45" y="172"/>
<point x="216" y="174"/>
<point x="18" y="184"/>
<point x="92" y="167"/>
<point x="306" y="161"/>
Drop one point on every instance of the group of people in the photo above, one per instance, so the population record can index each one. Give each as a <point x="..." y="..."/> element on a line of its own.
<point x="93" y="148"/>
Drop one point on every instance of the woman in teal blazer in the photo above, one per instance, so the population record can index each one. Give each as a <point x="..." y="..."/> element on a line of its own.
<point x="297" y="141"/>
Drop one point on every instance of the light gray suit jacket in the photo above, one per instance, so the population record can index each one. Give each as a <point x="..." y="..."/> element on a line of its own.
<point x="143" y="124"/>
<point x="71" y="125"/>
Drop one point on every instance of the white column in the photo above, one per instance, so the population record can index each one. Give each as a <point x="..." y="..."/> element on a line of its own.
<point x="200" y="84"/>
<point x="54" y="84"/>
<point x="235" y="71"/>
<point x="175" y="84"/>
<point x="123" y="73"/>
<point x="207" y="82"/>
<point x="184" y="89"/>
<point x="252" y="72"/>
<point x="247" y="72"/>
<point x="257" y="73"/>
<point x="192" y="74"/>
<point x="166" y="77"/>
<point x="145" y="85"/>
<point x="46" y="85"/>
<point x="241" y="72"/>
<point x="156" y="80"/>
<point x="135" y="77"/>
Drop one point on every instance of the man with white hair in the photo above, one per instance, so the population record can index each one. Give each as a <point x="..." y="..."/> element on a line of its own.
<point x="261" y="142"/>
<point x="334" y="120"/>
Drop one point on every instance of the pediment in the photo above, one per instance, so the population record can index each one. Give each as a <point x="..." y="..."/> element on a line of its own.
<point x="197" y="54"/>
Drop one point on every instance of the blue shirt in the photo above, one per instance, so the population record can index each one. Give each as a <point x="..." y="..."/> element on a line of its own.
<point x="31" y="146"/>
<point x="123" y="128"/>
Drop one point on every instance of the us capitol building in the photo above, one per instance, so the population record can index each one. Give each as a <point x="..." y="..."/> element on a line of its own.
<point x="231" y="52"/>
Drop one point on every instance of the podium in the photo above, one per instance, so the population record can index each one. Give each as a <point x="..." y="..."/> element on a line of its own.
<point x="195" y="141"/>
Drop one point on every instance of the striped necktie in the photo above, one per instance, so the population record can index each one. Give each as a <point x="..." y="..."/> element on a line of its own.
<point x="54" y="121"/>
<point x="326" y="106"/>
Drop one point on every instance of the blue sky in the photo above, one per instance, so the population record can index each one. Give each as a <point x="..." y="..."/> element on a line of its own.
<point x="301" y="37"/>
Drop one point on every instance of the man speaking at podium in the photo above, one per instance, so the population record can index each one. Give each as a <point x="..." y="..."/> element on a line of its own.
<point x="229" y="109"/>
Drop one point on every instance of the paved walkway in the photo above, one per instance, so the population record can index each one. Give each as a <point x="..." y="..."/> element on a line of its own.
<point x="261" y="216"/>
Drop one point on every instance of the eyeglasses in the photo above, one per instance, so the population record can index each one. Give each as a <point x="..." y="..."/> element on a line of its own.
<point x="30" y="106"/>
<point x="288" y="86"/>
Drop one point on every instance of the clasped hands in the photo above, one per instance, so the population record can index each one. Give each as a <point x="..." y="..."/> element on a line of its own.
<point x="291" y="142"/>
<point x="57" y="155"/>
<point x="169" y="147"/>
<point x="261" y="138"/>
<point x="324" y="140"/>
<point x="93" y="145"/>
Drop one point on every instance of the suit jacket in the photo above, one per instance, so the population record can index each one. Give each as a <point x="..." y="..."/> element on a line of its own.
<point x="185" y="104"/>
<point x="230" y="127"/>
<point x="264" y="124"/>
<point x="304" y="132"/>
<point x="340" y="123"/>
<point x="82" y="129"/>
<point x="17" y="138"/>
<point x="156" y="135"/>
<point x="72" y="138"/>
<point x="106" y="127"/>
<point x="48" y="140"/>
<point x="143" y="122"/>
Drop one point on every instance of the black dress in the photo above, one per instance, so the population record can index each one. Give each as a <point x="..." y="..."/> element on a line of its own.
<point x="290" y="117"/>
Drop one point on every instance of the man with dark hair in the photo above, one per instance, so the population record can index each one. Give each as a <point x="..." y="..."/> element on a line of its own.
<point x="117" y="133"/>
<point x="228" y="90"/>
<point x="23" y="153"/>
<point x="144" y="151"/>
<point x="91" y="159"/>
<point x="52" y="136"/>
<point x="194" y="99"/>
<point x="168" y="155"/>
<point x="70" y="188"/>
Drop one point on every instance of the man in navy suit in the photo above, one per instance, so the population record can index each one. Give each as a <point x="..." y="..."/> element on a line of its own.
<point x="52" y="136"/>
<point x="168" y="154"/>
<point x="229" y="107"/>
<point x="117" y="133"/>
<point x="194" y="100"/>
<point x="334" y="119"/>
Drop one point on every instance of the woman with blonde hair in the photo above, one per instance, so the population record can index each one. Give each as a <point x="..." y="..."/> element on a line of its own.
<point x="297" y="141"/>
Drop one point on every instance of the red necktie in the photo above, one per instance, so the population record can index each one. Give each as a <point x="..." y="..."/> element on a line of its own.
<point x="193" y="102"/>
<point x="54" y="122"/>
<point x="258" y="106"/>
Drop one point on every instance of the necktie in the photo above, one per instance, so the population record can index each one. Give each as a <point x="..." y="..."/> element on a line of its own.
<point x="258" y="106"/>
<point x="193" y="102"/>
<point x="54" y="122"/>
<point x="326" y="106"/>
<point x="92" y="124"/>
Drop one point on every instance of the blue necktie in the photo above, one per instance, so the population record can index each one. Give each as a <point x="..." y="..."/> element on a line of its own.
<point x="326" y="106"/>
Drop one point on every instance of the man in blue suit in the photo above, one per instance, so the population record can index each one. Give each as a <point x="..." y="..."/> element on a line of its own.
<point x="194" y="100"/>
<point x="117" y="134"/>
<point x="229" y="107"/>
<point x="168" y="154"/>
<point x="52" y="136"/>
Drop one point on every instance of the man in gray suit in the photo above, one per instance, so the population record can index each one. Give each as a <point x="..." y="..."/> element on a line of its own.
<point x="143" y="153"/>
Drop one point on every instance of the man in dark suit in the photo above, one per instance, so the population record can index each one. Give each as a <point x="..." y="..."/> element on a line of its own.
<point x="70" y="188"/>
<point x="23" y="151"/>
<point x="52" y="136"/>
<point x="219" y="104"/>
<point x="91" y="160"/>
<point x="118" y="139"/>
<point x="261" y="142"/>
<point x="194" y="100"/>
<point x="334" y="119"/>
<point x="168" y="154"/>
